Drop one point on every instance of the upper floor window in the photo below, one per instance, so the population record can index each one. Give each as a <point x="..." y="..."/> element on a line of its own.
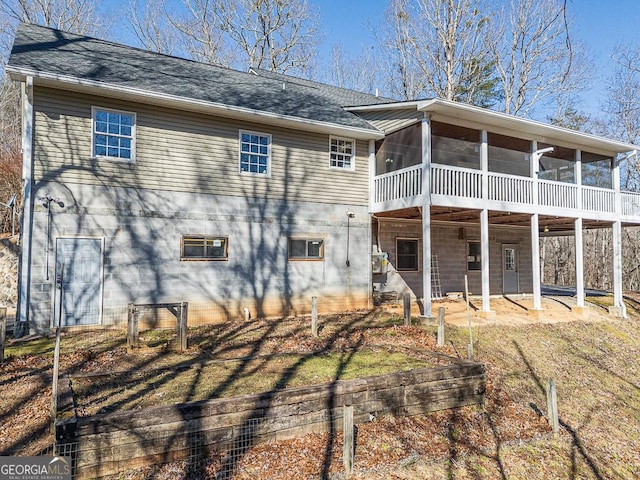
<point x="342" y="153"/>
<point x="255" y="153"/>
<point x="114" y="134"/>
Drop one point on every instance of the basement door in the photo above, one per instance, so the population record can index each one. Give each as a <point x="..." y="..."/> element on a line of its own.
<point x="509" y="269"/>
<point x="81" y="291"/>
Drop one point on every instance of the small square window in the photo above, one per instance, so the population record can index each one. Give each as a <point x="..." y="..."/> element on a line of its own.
<point x="474" y="258"/>
<point x="201" y="247"/>
<point x="113" y="134"/>
<point x="255" y="153"/>
<point x="407" y="254"/>
<point x="306" y="249"/>
<point x="342" y="152"/>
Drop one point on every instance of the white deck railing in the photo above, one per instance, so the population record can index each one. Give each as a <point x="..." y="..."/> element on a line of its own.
<point x="456" y="182"/>
<point x="557" y="194"/>
<point x="630" y="204"/>
<point x="502" y="189"/>
<point x="598" y="200"/>
<point x="403" y="183"/>
<point x="510" y="188"/>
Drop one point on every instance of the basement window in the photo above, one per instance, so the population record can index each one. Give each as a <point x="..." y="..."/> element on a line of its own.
<point x="474" y="259"/>
<point x="306" y="249"/>
<point x="201" y="247"/>
<point x="407" y="254"/>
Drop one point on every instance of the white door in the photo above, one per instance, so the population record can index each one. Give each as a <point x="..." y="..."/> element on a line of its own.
<point x="81" y="282"/>
<point x="510" y="269"/>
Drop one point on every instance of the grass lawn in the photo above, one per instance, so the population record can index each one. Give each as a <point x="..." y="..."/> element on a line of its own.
<point x="596" y="366"/>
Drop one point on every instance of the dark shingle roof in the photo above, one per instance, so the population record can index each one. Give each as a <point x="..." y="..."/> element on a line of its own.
<point x="54" y="52"/>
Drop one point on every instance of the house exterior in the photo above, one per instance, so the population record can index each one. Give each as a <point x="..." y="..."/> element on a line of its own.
<point x="152" y="179"/>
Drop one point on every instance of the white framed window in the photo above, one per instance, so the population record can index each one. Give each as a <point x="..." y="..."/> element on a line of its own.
<point x="113" y="134"/>
<point x="342" y="153"/>
<point x="407" y="254"/>
<point x="204" y="247"/>
<point x="306" y="249"/>
<point x="255" y="153"/>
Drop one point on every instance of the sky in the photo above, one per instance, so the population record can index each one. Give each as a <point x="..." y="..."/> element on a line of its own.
<point x="600" y="24"/>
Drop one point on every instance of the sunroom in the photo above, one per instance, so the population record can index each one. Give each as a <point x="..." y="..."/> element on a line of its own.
<point x="481" y="183"/>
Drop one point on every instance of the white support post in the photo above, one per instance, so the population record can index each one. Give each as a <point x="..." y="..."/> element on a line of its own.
<point x="535" y="167"/>
<point x="579" y="263"/>
<point x="577" y="171"/>
<point x="27" y="202"/>
<point x="426" y="215"/>
<point x="372" y="174"/>
<point x="484" y="255"/>
<point x="617" y="268"/>
<point x="484" y="164"/>
<point x="535" y="261"/>
<point x="618" y="301"/>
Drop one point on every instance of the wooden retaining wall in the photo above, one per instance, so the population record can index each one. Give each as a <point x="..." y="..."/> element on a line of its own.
<point x="110" y="443"/>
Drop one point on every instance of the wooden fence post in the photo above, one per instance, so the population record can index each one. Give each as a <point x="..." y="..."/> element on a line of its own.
<point x="440" y="326"/>
<point x="466" y="296"/>
<point x="3" y="329"/>
<point x="132" y="327"/>
<point x="56" y="360"/>
<point x="407" y="309"/>
<point x="348" y="444"/>
<point x="552" y="406"/>
<point x="314" y="316"/>
<point x="182" y="326"/>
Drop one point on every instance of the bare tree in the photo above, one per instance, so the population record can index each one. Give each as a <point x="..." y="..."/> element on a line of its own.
<point x="622" y="106"/>
<point x="78" y="16"/>
<point x="533" y="56"/>
<point x="405" y="79"/>
<point x="199" y="32"/>
<point x="358" y="72"/>
<point x="275" y="35"/>
<point x="437" y="49"/>
<point x="151" y="26"/>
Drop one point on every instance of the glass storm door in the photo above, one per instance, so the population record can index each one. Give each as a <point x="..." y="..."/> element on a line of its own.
<point x="81" y="284"/>
<point x="510" y="269"/>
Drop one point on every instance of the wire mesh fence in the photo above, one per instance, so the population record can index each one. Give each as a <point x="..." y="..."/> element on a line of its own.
<point x="157" y="315"/>
<point x="201" y="453"/>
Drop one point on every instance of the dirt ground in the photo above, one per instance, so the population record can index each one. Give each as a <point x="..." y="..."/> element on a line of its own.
<point x="512" y="310"/>
<point x="595" y="360"/>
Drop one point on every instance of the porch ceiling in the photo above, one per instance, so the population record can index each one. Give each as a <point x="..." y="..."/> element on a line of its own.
<point x="548" y="224"/>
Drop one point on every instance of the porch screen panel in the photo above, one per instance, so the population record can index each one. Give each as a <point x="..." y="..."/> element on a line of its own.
<point x="596" y="170"/>
<point x="399" y="150"/>
<point x="509" y="155"/>
<point x="455" y="146"/>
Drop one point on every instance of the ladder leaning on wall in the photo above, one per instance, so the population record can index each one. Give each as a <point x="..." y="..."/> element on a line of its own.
<point x="436" y="289"/>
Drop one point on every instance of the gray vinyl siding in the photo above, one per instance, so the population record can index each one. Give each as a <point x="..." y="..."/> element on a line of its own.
<point x="188" y="152"/>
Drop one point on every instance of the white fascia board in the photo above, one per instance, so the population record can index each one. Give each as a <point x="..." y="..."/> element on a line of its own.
<point x="183" y="103"/>
<point x="414" y="104"/>
<point x="532" y="127"/>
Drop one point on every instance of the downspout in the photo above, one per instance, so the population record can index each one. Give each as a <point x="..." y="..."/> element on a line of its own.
<point x="26" y="224"/>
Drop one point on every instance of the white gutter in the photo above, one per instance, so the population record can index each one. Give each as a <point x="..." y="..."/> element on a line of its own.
<point x="140" y="95"/>
<point x="26" y="226"/>
<point x="532" y="127"/>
